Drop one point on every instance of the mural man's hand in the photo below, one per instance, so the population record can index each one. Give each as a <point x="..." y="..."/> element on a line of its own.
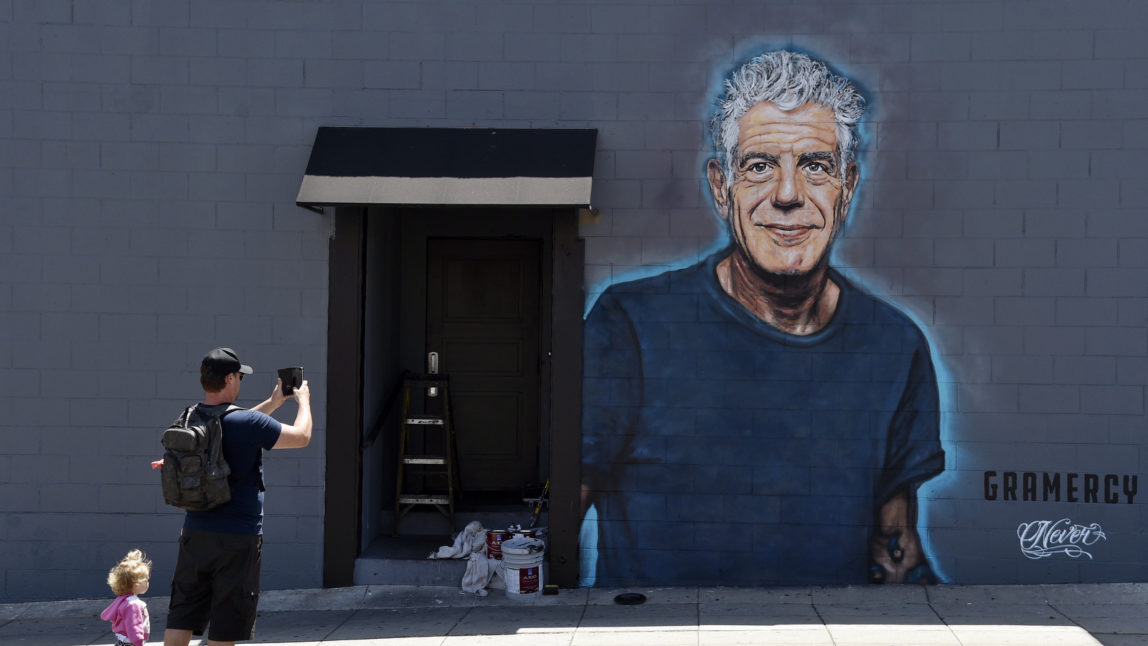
<point x="895" y="553"/>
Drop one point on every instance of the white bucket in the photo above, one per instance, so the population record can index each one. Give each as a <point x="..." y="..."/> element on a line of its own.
<point x="522" y="560"/>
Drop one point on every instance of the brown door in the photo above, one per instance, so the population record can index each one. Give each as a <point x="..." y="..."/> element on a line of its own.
<point x="483" y="307"/>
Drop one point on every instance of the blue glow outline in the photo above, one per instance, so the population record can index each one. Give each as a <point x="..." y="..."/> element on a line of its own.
<point x="588" y="548"/>
<point x="946" y="385"/>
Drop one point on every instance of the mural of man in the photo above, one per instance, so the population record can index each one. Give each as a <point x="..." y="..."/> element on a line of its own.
<point x="756" y="418"/>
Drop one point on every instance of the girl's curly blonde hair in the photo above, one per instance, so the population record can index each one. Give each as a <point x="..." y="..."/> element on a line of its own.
<point x="132" y="569"/>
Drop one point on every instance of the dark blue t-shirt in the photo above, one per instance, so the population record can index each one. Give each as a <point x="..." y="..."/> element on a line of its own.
<point x="718" y="449"/>
<point x="246" y="434"/>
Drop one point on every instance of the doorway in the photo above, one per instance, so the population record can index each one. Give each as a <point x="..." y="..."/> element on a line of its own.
<point x="405" y="280"/>
<point x="484" y="307"/>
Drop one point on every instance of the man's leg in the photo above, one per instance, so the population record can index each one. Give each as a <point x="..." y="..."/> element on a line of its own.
<point x="190" y="603"/>
<point x="183" y="638"/>
<point x="173" y="637"/>
<point x="235" y="589"/>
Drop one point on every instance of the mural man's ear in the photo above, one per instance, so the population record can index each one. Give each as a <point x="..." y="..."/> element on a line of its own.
<point x="716" y="177"/>
<point x="849" y="187"/>
<point x="852" y="174"/>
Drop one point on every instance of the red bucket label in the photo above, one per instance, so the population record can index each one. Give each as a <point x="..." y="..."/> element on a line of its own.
<point x="528" y="580"/>
<point x="494" y="538"/>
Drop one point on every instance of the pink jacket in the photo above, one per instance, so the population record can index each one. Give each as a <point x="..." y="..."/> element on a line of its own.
<point x="129" y="618"/>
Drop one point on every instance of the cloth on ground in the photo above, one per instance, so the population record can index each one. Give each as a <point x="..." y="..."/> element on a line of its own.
<point x="470" y="540"/>
<point x="481" y="570"/>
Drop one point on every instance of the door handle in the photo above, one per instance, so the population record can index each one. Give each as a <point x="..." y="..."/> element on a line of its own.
<point x="432" y="369"/>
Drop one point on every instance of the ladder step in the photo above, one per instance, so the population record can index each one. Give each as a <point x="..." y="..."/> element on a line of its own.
<point x="425" y="500"/>
<point x="430" y="418"/>
<point x="424" y="459"/>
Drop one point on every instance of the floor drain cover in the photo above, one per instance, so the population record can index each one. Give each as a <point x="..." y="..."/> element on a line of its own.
<point x="630" y="599"/>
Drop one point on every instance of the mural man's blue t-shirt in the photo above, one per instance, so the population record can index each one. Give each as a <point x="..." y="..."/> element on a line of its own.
<point x="718" y="448"/>
<point x="246" y="434"/>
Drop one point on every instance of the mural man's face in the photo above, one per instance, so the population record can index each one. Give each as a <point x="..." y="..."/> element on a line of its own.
<point x="787" y="198"/>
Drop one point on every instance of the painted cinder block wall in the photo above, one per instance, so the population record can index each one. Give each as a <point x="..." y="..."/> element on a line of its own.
<point x="150" y="153"/>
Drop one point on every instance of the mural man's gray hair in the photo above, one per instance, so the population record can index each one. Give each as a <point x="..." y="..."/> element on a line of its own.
<point x="789" y="80"/>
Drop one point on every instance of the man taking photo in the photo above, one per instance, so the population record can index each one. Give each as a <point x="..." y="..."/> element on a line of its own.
<point x="216" y="576"/>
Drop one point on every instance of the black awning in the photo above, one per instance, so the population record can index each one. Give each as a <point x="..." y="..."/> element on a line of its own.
<point x="449" y="166"/>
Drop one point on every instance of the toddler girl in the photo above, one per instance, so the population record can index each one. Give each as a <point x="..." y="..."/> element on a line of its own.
<point x="128" y="614"/>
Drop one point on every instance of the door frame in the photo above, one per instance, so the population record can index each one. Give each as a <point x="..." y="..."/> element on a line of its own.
<point x="346" y="276"/>
<point x="564" y="257"/>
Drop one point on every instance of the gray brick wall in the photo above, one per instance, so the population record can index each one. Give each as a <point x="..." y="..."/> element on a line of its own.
<point x="148" y="215"/>
<point x="150" y="153"/>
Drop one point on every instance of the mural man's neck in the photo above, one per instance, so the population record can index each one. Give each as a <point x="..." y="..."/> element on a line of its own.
<point x="800" y="305"/>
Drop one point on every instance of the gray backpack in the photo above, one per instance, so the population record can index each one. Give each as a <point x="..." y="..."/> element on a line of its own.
<point x="194" y="472"/>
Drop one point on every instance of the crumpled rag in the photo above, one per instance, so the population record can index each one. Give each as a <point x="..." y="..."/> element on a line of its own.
<point x="482" y="571"/>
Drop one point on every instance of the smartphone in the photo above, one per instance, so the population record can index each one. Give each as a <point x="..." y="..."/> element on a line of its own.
<point x="292" y="378"/>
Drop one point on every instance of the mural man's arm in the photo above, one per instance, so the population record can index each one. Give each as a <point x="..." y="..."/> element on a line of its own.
<point x="611" y="387"/>
<point x="611" y="379"/>
<point x="896" y="554"/>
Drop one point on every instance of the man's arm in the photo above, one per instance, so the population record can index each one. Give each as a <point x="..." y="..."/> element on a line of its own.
<point x="272" y="403"/>
<point x="298" y="434"/>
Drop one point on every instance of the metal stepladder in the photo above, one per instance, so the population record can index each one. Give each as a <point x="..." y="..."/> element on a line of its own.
<point x="435" y="425"/>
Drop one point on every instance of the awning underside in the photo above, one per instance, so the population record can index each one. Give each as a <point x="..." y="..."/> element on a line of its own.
<point x="449" y="166"/>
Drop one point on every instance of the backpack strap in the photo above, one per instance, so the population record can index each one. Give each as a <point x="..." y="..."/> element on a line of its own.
<point x="231" y="408"/>
<point x="183" y="417"/>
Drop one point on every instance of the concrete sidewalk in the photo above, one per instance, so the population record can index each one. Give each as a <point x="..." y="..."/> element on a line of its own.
<point x="1044" y="615"/>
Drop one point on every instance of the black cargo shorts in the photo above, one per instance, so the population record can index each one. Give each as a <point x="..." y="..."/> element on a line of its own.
<point x="216" y="581"/>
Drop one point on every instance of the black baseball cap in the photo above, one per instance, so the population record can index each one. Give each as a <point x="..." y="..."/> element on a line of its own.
<point x="223" y="361"/>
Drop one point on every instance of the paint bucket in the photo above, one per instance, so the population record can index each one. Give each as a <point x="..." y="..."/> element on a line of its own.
<point x="522" y="563"/>
<point x="494" y="540"/>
